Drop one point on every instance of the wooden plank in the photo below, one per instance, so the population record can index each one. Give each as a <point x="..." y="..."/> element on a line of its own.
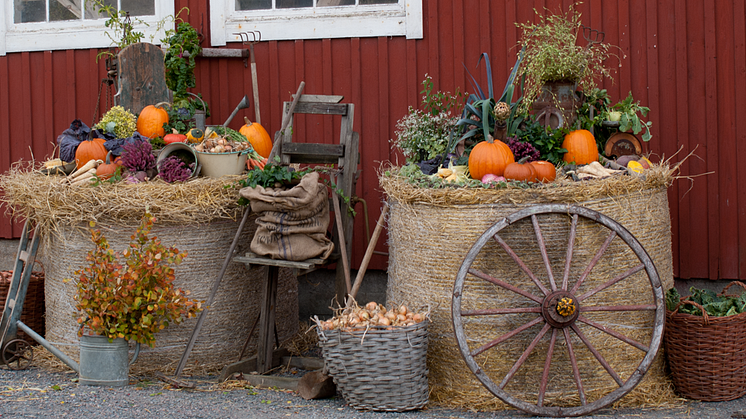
<point x="249" y="365"/>
<point x="270" y="381"/>
<point x="266" y="340"/>
<point x="314" y="152"/>
<point x="142" y="76"/>
<point x="319" y="108"/>
<point x="739" y="50"/>
<point x="303" y="362"/>
<point x="224" y="53"/>
<point x="319" y="98"/>
<point x="253" y="259"/>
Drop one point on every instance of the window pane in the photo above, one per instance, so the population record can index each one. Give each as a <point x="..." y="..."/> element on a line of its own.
<point x="91" y="9"/>
<point x="64" y="10"/>
<point x="139" y="7"/>
<point x="378" y="1"/>
<point x="285" y="4"/>
<point x="322" y="3"/>
<point x="29" y="11"/>
<point x="253" y="4"/>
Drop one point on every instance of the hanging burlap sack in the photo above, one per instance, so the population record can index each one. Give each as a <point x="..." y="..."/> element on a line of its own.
<point x="291" y="223"/>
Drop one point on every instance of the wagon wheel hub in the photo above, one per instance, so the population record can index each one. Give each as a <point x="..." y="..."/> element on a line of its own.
<point x="560" y="309"/>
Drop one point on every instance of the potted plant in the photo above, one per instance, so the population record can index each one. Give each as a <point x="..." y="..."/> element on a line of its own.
<point x="628" y="113"/>
<point x="126" y="296"/>
<point x="554" y="65"/>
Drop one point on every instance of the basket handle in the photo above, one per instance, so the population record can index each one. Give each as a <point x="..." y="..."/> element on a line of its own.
<point x="723" y="292"/>
<point x="686" y="300"/>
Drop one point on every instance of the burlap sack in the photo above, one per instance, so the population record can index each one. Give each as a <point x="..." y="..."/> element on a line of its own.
<point x="292" y="223"/>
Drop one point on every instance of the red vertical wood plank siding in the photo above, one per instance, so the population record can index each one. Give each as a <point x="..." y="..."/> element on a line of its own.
<point x="684" y="59"/>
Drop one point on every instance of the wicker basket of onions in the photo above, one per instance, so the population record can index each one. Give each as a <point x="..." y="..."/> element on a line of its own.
<point x="377" y="356"/>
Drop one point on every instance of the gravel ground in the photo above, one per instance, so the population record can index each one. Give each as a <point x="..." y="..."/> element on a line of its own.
<point x="42" y="393"/>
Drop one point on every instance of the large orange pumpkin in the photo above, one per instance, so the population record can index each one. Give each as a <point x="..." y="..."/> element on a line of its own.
<point x="151" y="120"/>
<point x="581" y="147"/>
<point x="258" y="137"/>
<point x="520" y="170"/>
<point x="489" y="157"/>
<point x="90" y="149"/>
<point x="545" y="171"/>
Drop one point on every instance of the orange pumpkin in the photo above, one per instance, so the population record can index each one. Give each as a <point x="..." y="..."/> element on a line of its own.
<point x="257" y="136"/>
<point x="545" y="171"/>
<point x="90" y="149"/>
<point x="520" y="170"/>
<point x="489" y="157"/>
<point x="108" y="168"/>
<point x="151" y="120"/>
<point x="581" y="147"/>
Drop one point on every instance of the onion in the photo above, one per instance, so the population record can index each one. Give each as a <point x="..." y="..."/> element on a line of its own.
<point x="371" y="306"/>
<point x="384" y="322"/>
<point x="417" y="317"/>
<point x="401" y="317"/>
<point x="403" y="310"/>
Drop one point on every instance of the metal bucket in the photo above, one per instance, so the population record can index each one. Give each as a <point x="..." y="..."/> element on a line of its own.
<point x="222" y="164"/>
<point x="184" y="152"/>
<point x="104" y="363"/>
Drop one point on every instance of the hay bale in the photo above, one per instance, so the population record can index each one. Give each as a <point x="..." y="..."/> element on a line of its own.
<point x="430" y="233"/>
<point x="199" y="217"/>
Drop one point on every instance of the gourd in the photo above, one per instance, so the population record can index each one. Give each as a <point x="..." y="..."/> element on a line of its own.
<point x="151" y="120"/>
<point x="581" y="147"/>
<point x="107" y="169"/>
<point x="521" y="171"/>
<point x="257" y="136"/>
<point x="195" y="135"/>
<point x="174" y="137"/>
<point x="90" y="149"/>
<point x="545" y="171"/>
<point x="489" y="156"/>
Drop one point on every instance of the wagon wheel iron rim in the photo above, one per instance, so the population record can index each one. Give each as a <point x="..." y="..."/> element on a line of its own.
<point x="18" y="354"/>
<point x="559" y="310"/>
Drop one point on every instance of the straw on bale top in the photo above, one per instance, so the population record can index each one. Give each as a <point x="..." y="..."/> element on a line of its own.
<point x="47" y="202"/>
<point x="559" y="191"/>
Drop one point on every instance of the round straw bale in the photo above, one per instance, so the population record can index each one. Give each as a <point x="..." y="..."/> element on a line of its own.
<point x="430" y="233"/>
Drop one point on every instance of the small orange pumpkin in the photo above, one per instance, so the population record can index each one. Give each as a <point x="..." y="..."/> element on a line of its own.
<point x="107" y="169"/>
<point x="150" y="121"/>
<point x="545" y="171"/>
<point x="520" y="170"/>
<point x="257" y="136"/>
<point x="90" y="149"/>
<point x="581" y="147"/>
<point x="489" y="156"/>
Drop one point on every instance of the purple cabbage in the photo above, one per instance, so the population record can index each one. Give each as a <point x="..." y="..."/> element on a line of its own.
<point x="71" y="138"/>
<point x="523" y="149"/>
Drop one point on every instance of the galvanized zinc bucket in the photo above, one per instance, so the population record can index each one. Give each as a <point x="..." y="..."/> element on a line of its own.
<point x="104" y="363"/>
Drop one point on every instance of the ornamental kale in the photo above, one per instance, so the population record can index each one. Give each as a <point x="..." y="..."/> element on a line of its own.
<point x="138" y="156"/>
<point x="173" y="169"/>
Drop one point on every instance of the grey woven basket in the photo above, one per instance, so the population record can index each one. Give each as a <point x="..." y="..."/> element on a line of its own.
<point x="380" y="370"/>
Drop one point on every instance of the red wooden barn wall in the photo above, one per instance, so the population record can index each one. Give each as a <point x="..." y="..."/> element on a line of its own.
<point x="685" y="59"/>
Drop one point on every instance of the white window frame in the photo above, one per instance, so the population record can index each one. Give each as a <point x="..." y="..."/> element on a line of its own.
<point x="401" y="19"/>
<point x="45" y="36"/>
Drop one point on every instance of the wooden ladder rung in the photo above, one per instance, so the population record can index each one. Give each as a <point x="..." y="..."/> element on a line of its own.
<point x="253" y="259"/>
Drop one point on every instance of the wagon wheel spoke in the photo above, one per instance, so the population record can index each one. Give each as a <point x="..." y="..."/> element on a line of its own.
<point x="575" y="370"/>
<point x="495" y="311"/>
<point x="594" y="261"/>
<point x="570" y="247"/>
<point x="612" y="281"/>
<point x="639" y="307"/>
<point x="521" y="264"/>
<point x="614" y="333"/>
<point x="598" y="355"/>
<point x="17" y="354"/>
<point x="525" y="355"/>
<point x="543" y="250"/>
<point x="547" y="364"/>
<point x="504" y="284"/>
<point x="506" y="336"/>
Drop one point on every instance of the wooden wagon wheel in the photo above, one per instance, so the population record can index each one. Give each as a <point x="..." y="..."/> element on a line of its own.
<point x="559" y="310"/>
<point x="17" y="354"/>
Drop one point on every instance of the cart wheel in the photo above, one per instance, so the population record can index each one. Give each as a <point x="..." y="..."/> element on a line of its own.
<point x="559" y="309"/>
<point x="18" y="354"/>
